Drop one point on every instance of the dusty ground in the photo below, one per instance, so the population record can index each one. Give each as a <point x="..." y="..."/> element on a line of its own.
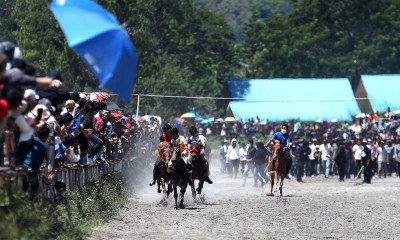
<point x="317" y="209"/>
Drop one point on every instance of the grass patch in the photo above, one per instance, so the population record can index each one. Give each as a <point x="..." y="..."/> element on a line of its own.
<point x="92" y="205"/>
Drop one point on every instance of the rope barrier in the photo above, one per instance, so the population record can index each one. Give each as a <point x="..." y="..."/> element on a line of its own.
<point x="255" y="99"/>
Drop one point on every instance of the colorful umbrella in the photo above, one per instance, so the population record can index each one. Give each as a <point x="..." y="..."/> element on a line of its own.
<point x="178" y="120"/>
<point x="117" y="116"/>
<point x="102" y="43"/>
<point x="188" y="115"/>
<point x="205" y="121"/>
<point x="98" y="96"/>
<point x="112" y="106"/>
<point x="361" y="115"/>
<point x="230" y="119"/>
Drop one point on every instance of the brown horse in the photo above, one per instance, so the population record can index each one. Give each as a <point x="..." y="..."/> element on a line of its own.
<point x="179" y="176"/>
<point x="164" y="151"/>
<point x="200" y="168"/>
<point x="277" y="167"/>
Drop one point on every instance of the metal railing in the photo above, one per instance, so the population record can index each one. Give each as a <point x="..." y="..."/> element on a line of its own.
<point x="74" y="176"/>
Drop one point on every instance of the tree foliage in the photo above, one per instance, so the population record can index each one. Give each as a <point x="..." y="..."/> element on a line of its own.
<point x="191" y="47"/>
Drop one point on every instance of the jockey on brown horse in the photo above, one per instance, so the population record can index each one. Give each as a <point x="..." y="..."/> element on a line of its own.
<point x="284" y="138"/>
<point x="201" y="142"/>
<point x="165" y="137"/>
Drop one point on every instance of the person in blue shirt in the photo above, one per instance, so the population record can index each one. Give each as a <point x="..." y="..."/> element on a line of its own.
<point x="33" y="161"/>
<point x="284" y="138"/>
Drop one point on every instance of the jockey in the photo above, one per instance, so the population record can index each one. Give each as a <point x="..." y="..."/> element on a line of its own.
<point x="202" y="142"/>
<point x="165" y="137"/>
<point x="284" y="138"/>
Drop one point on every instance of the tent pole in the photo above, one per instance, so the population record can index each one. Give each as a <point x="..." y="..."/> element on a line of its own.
<point x="137" y="108"/>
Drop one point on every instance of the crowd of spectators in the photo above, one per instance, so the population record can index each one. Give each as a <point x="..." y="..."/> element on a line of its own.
<point x="33" y="108"/>
<point x="367" y="146"/>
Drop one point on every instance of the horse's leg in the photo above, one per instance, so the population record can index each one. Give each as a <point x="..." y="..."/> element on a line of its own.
<point x="272" y="184"/>
<point x="183" y="190"/>
<point x="193" y="190"/>
<point x="281" y="184"/>
<point x="176" y="194"/>
<point x="159" y="180"/>
<point x="276" y="181"/>
<point x="201" y="183"/>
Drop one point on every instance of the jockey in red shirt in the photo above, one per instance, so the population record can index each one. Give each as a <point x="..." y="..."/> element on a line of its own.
<point x="165" y="137"/>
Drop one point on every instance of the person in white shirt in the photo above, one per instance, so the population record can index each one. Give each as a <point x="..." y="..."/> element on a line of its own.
<point x="233" y="157"/>
<point x="243" y="156"/>
<point x="358" y="149"/>
<point x="382" y="159"/>
<point x="311" y="166"/>
<point x="326" y="153"/>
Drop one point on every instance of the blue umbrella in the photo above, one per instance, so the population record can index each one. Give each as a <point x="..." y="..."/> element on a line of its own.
<point x="102" y="43"/>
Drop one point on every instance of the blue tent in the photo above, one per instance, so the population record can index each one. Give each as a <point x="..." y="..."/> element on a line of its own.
<point x="383" y="91"/>
<point x="284" y="99"/>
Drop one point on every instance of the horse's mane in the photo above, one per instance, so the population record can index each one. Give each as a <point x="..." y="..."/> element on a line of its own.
<point x="163" y="146"/>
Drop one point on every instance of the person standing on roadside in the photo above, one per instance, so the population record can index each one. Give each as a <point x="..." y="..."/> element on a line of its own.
<point x="326" y="153"/>
<point x="366" y="161"/>
<point x="357" y="151"/>
<point x="340" y="158"/>
<point x="311" y="166"/>
<point x="249" y="166"/>
<point x="233" y="157"/>
<point x="223" y="150"/>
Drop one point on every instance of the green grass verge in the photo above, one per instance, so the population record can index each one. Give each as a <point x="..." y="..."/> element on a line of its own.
<point x="95" y="203"/>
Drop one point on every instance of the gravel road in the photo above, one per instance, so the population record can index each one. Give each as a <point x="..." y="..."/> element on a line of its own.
<point x="317" y="209"/>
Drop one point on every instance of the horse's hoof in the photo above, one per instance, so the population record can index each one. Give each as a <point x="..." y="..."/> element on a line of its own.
<point x="158" y="190"/>
<point x="182" y="206"/>
<point x="198" y="190"/>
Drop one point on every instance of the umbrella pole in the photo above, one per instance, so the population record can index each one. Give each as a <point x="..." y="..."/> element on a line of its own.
<point x="137" y="108"/>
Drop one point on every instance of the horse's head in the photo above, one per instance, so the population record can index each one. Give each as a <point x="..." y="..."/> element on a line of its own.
<point x="164" y="151"/>
<point x="277" y="149"/>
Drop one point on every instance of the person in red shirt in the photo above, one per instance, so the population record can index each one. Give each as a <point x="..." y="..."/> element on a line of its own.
<point x="165" y="137"/>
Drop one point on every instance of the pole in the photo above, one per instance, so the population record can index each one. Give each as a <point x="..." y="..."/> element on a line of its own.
<point x="137" y="108"/>
<point x="51" y="153"/>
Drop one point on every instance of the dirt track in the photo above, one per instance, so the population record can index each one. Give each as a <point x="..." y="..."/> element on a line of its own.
<point x="317" y="209"/>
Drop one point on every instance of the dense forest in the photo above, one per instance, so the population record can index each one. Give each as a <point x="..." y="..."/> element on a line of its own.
<point x="191" y="47"/>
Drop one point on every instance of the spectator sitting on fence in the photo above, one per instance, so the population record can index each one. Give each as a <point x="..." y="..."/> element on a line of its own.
<point x="34" y="161"/>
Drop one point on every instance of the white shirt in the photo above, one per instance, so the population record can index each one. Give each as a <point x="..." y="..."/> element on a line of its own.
<point x="381" y="152"/>
<point x="313" y="149"/>
<point x="199" y="138"/>
<point x="243" y="154"/>
<point x="233" y="153"/>
<point x="358" y="150"/>
<point x="326" y="151"/>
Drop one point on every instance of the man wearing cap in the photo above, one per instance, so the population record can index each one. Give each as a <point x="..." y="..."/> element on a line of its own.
<point x="233" y="157"/>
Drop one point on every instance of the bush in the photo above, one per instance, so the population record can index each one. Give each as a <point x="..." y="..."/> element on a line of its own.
<point x="96" y="202"/>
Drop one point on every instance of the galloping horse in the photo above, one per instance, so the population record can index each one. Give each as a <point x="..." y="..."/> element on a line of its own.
<point x="179" y="176"/>
<point x="277" y="166"/>
<point x="164" y="151"/>
<point x="200" y="168"/>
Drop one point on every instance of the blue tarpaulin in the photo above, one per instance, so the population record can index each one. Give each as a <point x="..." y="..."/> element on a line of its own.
<point x="284" y="99"/>
<point x="383" y="91"/>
